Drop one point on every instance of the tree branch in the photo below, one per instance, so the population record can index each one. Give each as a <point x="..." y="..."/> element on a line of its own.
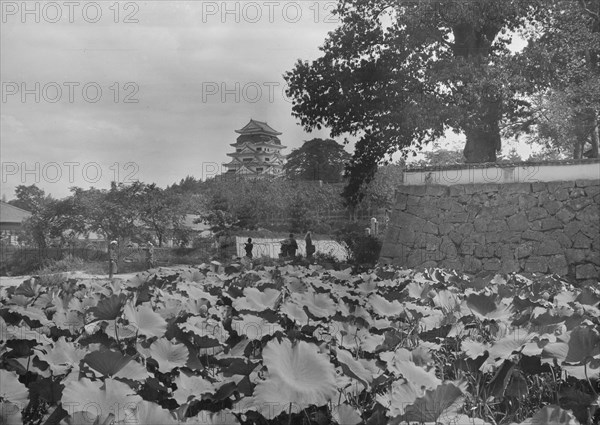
<point x="584" y="5"/>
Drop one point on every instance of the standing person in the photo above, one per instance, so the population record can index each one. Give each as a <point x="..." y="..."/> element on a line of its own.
<point x="112" y="259"/>
<point x="248" y="247"/>
<point x="292" y="246"/>
<point x="150" y="264"/>
<point x="310" y="248"/>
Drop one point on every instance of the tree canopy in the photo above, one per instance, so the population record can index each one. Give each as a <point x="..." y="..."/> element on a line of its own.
<point x="399" y="74"/>
<point x="317" y="159"/>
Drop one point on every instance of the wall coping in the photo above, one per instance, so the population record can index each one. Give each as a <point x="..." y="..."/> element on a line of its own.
<point x="467" y="166"/>
<point x="502" y="173"/>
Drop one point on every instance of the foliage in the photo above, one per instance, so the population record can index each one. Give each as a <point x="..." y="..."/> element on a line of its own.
<point x="283" y="345"/>
<point x="29" y="198"/>
<point x="363" y="249"/>
<point x="562" y="61"/>
<point x="397" y="75"/>
<point x="380" y="191"/>
<point x="317" y="159"/>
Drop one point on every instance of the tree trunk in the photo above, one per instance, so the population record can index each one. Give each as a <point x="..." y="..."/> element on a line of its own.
<point x="595" y="139"/>
<point x="483" y="139"/>
<point x="482" y="129"/>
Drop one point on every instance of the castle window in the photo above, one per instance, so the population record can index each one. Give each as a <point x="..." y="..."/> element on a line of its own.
<point x="266" y="159"/>
<point x="258" y="149"/>
<point x="259" y="170"/>
<point x="247" y="159"/>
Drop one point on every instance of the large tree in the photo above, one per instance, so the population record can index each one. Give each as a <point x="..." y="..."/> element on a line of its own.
<point x="399" y="74"/>
<point x="562" y="60"/>
<point x="317" y="159"/>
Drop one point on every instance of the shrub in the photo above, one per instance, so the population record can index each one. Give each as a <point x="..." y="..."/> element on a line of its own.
<point x="363" y="250"/>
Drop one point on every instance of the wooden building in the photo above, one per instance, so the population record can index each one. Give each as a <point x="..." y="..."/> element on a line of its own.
<point x="11" y="222"/>
<point x="257" y="152"/>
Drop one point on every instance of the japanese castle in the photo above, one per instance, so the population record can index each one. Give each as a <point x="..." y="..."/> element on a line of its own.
<point x="257" y="151"/>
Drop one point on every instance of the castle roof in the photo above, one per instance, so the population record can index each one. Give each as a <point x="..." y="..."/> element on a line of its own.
<point x="258" y="127"/>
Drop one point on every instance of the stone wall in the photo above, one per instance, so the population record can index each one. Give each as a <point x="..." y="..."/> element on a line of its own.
<point x="541" y="227"/>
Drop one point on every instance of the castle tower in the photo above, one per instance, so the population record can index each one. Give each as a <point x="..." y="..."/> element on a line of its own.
<point x="257" y="151"/>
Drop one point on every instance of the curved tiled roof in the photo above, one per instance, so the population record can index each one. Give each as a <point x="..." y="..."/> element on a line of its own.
<point x="258" y="127"/>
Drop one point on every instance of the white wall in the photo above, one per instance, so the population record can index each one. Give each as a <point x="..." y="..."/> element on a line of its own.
<point x="502" y="174"/>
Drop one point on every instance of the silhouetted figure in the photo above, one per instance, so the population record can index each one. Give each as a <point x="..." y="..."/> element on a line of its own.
<point x="112" y="259"/>
<point x="292" y="246"/>
<point x="248" y="246"/>
<point x="150" y="263"/>
<point x="310" y="248"/>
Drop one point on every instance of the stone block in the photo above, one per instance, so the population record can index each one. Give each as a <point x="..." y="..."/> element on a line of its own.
<point x="538" y="187"/>
<point x="565" y="215"/>
<point x="504" y="252"/>
<point x="489" y="187"/>
<point x="561" y="194"/>
<point x="576" y="192"/>
<point x="412" y="200"/>
<point x="497" y="226"/>
<point x="578" y="203"/>
<point x="532" y="236"/>
<point x="510" y="237"/>
<point x="536" y="225"/>
<point x="445" y="228"/>
<point x="551" y="223"/>
<point x="558" y="265"/>
<point x="456" y="237"/>
<point x="572" y="228"/>
<point x="593" y="257"/>
<point x="585" y="183"/>
<point x="406" y="236"/>
<point x="576" y="256"/>
<point x="536" y="213"/>
<point x="448" y="248"/>
<point x="471" y="189"/>
<point x="458" y="218"/>
<point x="504" y="211"/>
<point x="514" y="188"/>
<point x="524" y="250"/>
<point x="456" y="190"/>
<point x="536" y="265"/>
<point x="580" y="241"/>
<point x="518" y="222"/>
<point x="553" y="207"/>
<point x="591" y="230"/>
<point x="401" y="199"/>
<point x="472" y="264"/>
<point x="480" y="224"/>
<point x="493" y="265"/>
<point x="527" y="202"/>
<point x="592" y="191"/>
<point x="554" y="186"/>
<point x="562" y="238"/>
<point x="484" y="251"/>
<point x="430" y="228"/>
<point x="415" y="258"/>
<point x="589" y="214"/>
<point x="436" y="190"/>
<point x="451" y="264"/>
<point x="509" y="266"/>
<point x="550" y="247"/>
<point x="587" y="271"/>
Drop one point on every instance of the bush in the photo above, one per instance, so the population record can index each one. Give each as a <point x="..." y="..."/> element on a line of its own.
<point x="363" y="250"/>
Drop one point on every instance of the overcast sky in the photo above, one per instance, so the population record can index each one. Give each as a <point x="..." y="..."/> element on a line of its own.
<point x="176" y="79"/>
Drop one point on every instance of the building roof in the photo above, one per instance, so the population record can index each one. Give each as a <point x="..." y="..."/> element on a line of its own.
<point x="11" y="214"/>
<point x="258" y="127"/>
